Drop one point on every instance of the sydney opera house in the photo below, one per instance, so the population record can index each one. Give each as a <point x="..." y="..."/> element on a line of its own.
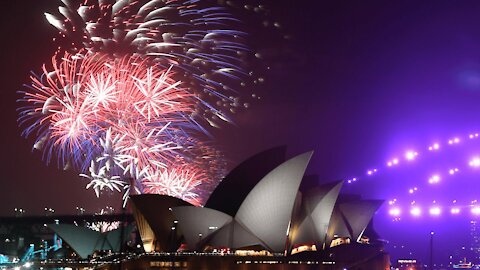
<point x="265" y="212"/>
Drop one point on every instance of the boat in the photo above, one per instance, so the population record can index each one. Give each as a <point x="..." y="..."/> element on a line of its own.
<point x="463" y="265"/>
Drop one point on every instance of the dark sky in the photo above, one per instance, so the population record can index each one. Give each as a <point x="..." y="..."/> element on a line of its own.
<point x="357" y="82"/>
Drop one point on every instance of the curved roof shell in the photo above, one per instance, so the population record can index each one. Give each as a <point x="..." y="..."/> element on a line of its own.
<point x="235" y="187"/>
<point x="155" y="221"/>
<point x="358" y="214"/>
<point x="86" y="241"/>
<point x="267" y="210"/>
<point x="197" y="223"/>
<point x="273" y="214"/>
<point x="316" y="211"/>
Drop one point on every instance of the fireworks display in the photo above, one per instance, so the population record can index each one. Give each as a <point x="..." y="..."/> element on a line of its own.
<point x="131" y="91"/>
<point x="201" y="41"/>
<point x="104" y="226"/>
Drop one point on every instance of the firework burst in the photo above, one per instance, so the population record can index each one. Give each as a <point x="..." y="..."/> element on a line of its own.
<point x="176" y="182"/>
<point x="72" y="107"/>
<point x="128" y="101"/>
<point x="201" y="42"/>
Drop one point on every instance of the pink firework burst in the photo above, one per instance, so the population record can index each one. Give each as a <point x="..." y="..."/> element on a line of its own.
<point x="143" y="147"/>
<point x="181" y="182"/>
<point x="135" y="100"/>
<point x="204" y="42"/>
<point x="58" y="109"/>
<point x="195" y="173"/>
<point x="152" y="89"/>
<point x="72" y="107"/>
<point x="102" y="89"/>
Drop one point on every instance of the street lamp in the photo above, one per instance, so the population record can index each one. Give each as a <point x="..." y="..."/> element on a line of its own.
<point x="432" y="233"/>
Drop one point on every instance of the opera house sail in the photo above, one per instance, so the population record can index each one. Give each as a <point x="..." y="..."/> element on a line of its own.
<point x="277" y="214"/>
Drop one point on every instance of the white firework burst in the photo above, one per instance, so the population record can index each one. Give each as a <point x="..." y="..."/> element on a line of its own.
<point x="100" y="179"/>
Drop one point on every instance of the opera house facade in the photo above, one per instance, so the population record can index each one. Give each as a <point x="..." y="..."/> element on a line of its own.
<point x="264" y="213"/>
<point x="278" y="218"/>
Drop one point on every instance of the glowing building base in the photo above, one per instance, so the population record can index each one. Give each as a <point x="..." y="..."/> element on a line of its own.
<point x="357" y="256"/>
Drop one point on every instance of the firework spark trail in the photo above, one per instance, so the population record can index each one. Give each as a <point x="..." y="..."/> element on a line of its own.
<point x="57" y="111"/>
<point x="107" y="116"/>
<point x="100" y="180"/>
<point x="65" y="104"/>
<point x="176" y="182"/>
<point x="132" y="90"/>
<point x="201" y="42"/>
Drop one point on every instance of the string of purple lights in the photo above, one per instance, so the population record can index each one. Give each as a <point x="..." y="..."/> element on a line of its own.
<point x="398" y="208"/>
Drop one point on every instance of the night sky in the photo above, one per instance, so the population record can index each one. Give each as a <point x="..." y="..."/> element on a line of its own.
<point x="358" y="82"/>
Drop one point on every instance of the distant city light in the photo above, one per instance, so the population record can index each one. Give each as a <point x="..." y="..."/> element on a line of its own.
<point x="416" y="211"/>
<point x="410" y="155"/>
<point x="455" y="210"/>
<point x="454" y="140"/>
<point x="435" y="146"/>
<point x="453" y="171"/>
<point x="351" y="180"/>
<point x="476" y="210"/>
<point x="475" y="162"/>
<point x="435" y="211"/>
<point x="392" y="162"/>
<point x="395" y="212"/>
<point x="434" y="179"/>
